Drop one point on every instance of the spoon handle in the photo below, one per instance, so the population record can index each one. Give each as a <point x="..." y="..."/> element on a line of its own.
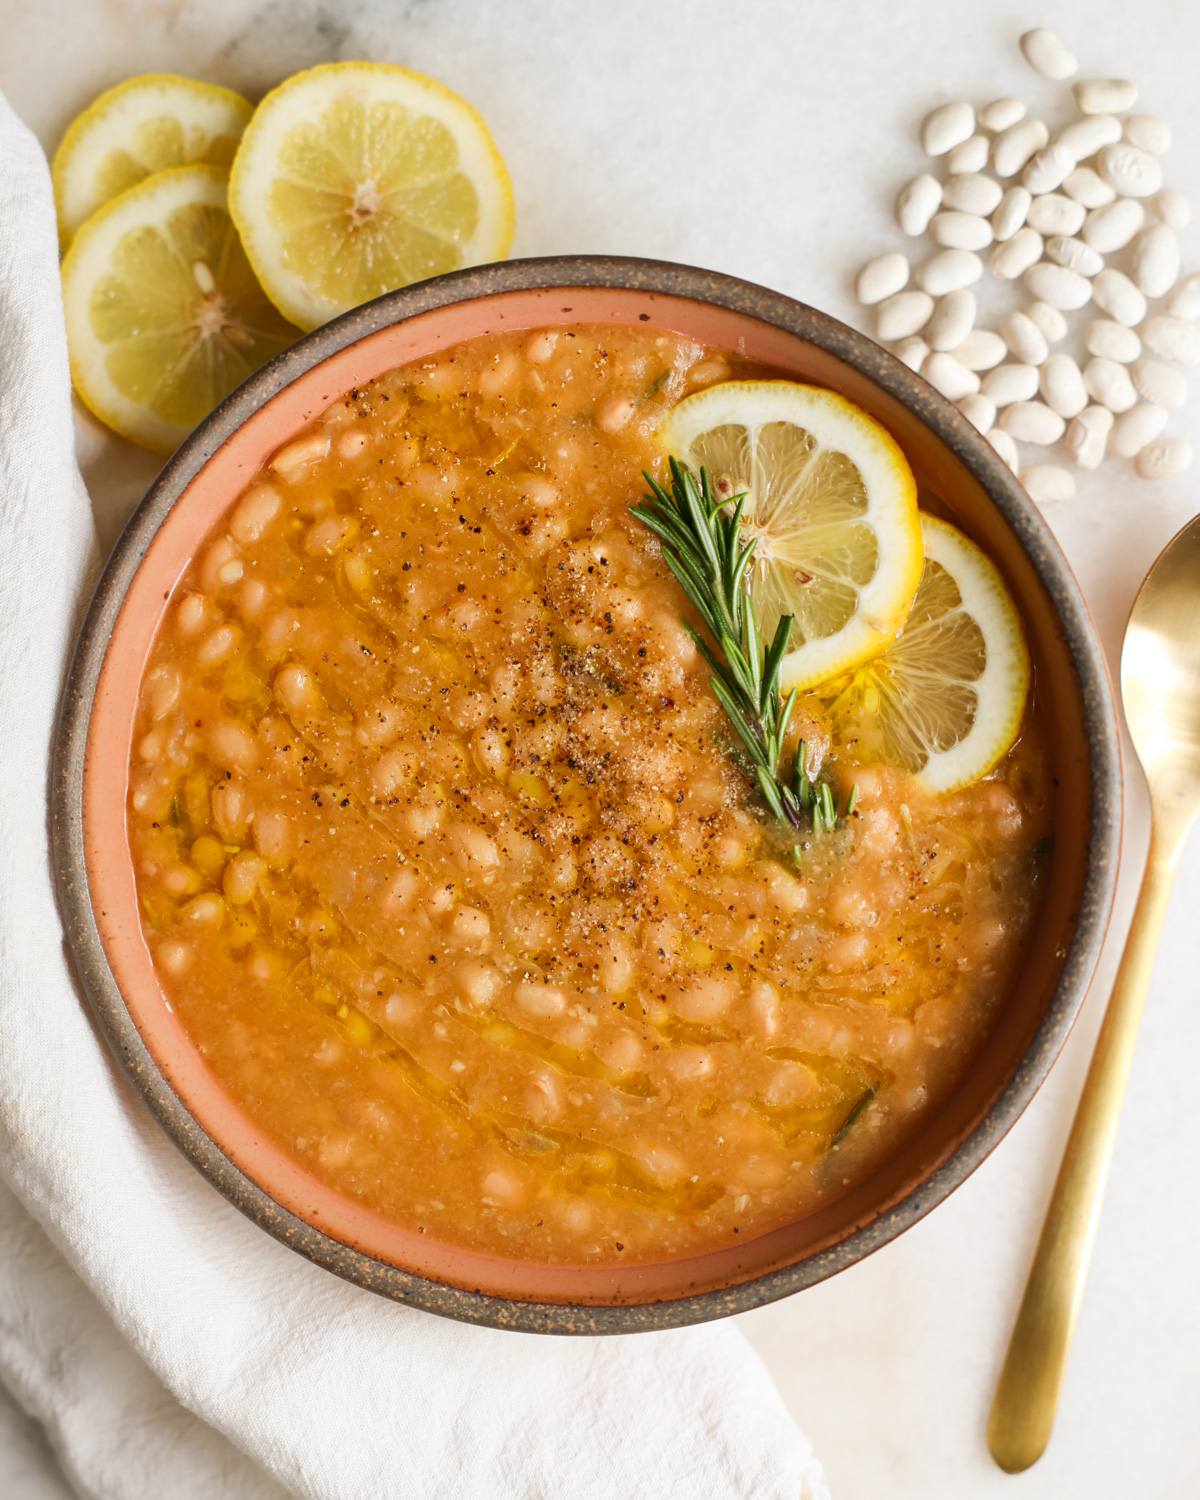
<point x="1027" y="1395"/>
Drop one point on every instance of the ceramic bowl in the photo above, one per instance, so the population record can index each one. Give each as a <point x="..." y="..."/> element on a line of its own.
<point x="951" y="461"/>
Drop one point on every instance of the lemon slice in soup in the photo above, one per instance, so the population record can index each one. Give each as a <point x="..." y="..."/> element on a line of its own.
<point x="356" y="178"/>
<point x="145" y="125"/>
<point x="946" y="698"/>
<point x="832" y="503"/>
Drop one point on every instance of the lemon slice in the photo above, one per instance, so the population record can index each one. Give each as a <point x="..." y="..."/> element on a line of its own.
<point x="946" y="698"/>
<point x="145" y="125"/>
<point x="832" y="503"/>
<point x="356" y="178"/>
<point x="164" y="316"/>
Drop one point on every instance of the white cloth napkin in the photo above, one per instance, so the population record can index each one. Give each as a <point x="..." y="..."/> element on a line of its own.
<point x="170" y="1348"/>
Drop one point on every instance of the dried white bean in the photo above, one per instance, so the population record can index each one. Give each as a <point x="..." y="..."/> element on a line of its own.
<point x="1156" y="260"/>
<point x="979" y="411"/>
<point x="913" y="352"/>
<point x="1048" y="483"/>
<point x="1058" y="286"/>
<point x="1013" y="147"/>
<point x="1083" y="138"/>
<point x="1104" y="96"/>
<point x="902" y="315"/>
<point x="1055" y="213"/>
<point x="948" y="271"/>
<point x="1048" y="321"/>
<point x="880" y="278"/>
<point x="1148" y="133"/>
<point x="1074" y="254"/>
<point x="972" y="193"/>
<point x="1024" y="338"/>
<point x="1008" y="383"/>
<point x="1087" y="436"/>
<point x="1005" y="447"/>
<point x="971" y="156"/>
<point x="1119" y="298"/>
<point x="1012" y="213"/>
<point x="1033" y="422"/>
<point x="1001" y="113"/>
<point x="917" y="202"/>
<point x="1061" y="385"/>
<point x="1185" y="299"/>
<point x="980" y="350"/>
<point x="1113" y="226"/>
<point x="1089" y="188"/>
<point x="1159" y="384"/>
<point x="959" y="231"/>
<point x="953" y="318"/>
<point x="1130" y="171"/>
<point x="945" y="374"/>
<point x="1108" y="383"/>
<point x="1164" y="459"/>
<point x="1135" y="428"/>
<point x="1046" y="55"/>
<point x="1173" y="339"/>
<point x="947" y="127"/>
<point x="1015" y="256"/>
<point x="1048" y="169"/>
<point x="1109" y="340"/>
<point x="1172" y="208"/>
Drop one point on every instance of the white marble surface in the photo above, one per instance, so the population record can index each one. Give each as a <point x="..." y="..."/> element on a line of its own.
<point x="768" y="139"/>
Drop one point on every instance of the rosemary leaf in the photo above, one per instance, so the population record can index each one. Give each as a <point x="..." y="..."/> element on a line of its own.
<point x="854" y="1116"/>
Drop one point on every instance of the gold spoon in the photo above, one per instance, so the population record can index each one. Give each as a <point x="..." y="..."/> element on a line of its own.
<point x="1160" y="690"/>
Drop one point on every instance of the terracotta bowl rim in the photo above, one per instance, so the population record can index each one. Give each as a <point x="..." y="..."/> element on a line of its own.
<point x="954" y="431"/>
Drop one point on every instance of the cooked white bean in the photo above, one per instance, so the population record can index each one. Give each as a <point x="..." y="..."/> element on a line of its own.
<point x="1055" y="213"/>
<point x="1110" y="340"/>
<point x="1156" y="260"/>
<point x="947" y="127"/>
<point x="1173" y="339"/>
<point x="1074" y="254"/>
<point x="1033" y="422"/>
<point x="917" y="202"/>
<point x="1104" y="96"/>
<point x="1185" y="299"/>
<point x="1048" y="321"/>
<point x="979" y="410"/>
<point x="1013" y="147"/>
<point x="972" y="193"/>
<point x="1130" y="171"/>
<point x="1008" y="383"/>
<point x="1172" y="208"/>
<point x="1001" y="113"/>
<point x="1046" y="55"/>
<point x="1005" y="447"/>
<point x="971" y="156"/>
<point x="1048" y="169"/>
<point x="1048" y="483"/>
<point x="913" y="352"/>
<point x="1135" y="428"/>
<point x="293" y="459"/>
<point x="902" y="315"/>
<point x="1148" y="133"/>
<point x="1083" y="138"/>
<point x="948" y="271"/>
<point x="1113" y="226"/>
<point x="1087" y="436"/>
<point x="1024" y="338"/>
<point x="1015" y="256"/>
<point x="945" y="374"/>
<point x="953" y="318"/>
<point x="1108" y="383"/>
<point x="1163" y="459"/>
<point x="1089" y="188"/>
<point x="1058" y="286"/>
<point x="1119" y="298"/>
<point x="880" y="278"/>
<point x="1061" y="385"/>
<point x="960" y="231"/>
<point x="1012" y="213"/>
<point x="981" y="349"/>
<point x="1158" y="383"/>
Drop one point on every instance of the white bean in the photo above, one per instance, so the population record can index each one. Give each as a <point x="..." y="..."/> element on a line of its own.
<point x="1108" y="383"/>
<point x="1024" y="338"/>
<point x="902" y="315"/>
<point x="1130" y="171"/>
<point x="1135" y="428"/>
<point x="1062" y="387"/>
<point x="1087" y="436"/>
<point x="1033" y="422"/>
<point x="1119" y="298"/>
<point x="1172" y="208"/>
<point x="1048" y="169"/>
<point x="1013" y="147"/>
<point x="1074" y="254"/>
<point x="1083" y="138"/>
<point x="1148" y="133"/>
<point x="1104" y="96"/>
<point x="1159" y="384"/>
<point x="1055" y="213"/>
<point x="1156" y="260"/>
<point x="1012" y="213"/>
<point x="913" y="352"/>
<point x="1173" y="339"/>
<point x="917" y="202"/>
<point x="945" y="374"/>
<point x="1009" y="383"/>
<point x="1048" y="321"/>
<point x="972" y="193"/>
<point x="1113" y="226"/>
<point x="980" y="350"/>
<point x="1058" y="286"/>
<point x="1005" y="447"/>
<point x="960" y="231"/>
<point x="971" y="156"/>
<point x="947" y="127"/>
<point x="1109" y="340"/>
<point x="880" y="278"/>
<point x="1163" y="459"/>
<point x="1185" y="299"/>
<point x="1048" y="483"/>
<point x="1015" y="256"/>
<point x="1001" y="113"/>
<point x="948" y="271"/>
<point x="1046" y="55"/>
<point x="1089" y="188"/>
<point x="953" y="318"/>
<point x="979" y="411"/>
